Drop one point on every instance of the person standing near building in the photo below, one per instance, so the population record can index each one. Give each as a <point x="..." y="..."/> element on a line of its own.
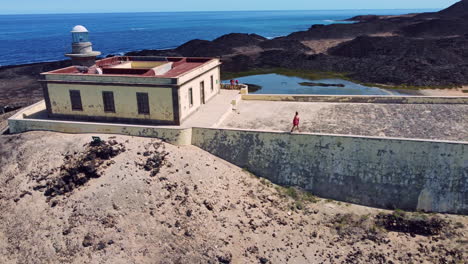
<point x="296" y="123"/>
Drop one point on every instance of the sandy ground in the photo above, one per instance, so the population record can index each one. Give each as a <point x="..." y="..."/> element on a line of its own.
<point x="197" y="209"/>
<point x="445" y="92"/>
<point x="445" y="122"/>
<point x="322" y="45"/>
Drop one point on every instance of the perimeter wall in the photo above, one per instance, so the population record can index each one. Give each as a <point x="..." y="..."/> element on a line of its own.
<point x="380" y="172"/>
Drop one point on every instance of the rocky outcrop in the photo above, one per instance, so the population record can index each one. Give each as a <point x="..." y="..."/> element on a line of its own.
<point x="235" y="40"/>
<point x="459" y="9"/>
<point x="363" y="18"/>
<point x="285" y="44"/>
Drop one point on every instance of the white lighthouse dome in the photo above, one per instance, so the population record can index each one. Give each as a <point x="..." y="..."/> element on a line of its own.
<point x="79" y="29"/>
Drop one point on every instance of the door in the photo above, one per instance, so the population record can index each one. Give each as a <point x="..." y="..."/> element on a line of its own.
<point x="202" y="92"/>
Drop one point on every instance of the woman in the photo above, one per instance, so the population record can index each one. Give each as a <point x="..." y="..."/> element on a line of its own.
<point x="296" y="123"/>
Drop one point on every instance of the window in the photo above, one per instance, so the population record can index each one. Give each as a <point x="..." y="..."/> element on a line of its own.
<point x="190" y="96"/>
<point x="143" y="103"/>
<point x="108" y="99"/>
<point x="75" y="99"/>
<point x="212" y="83"/>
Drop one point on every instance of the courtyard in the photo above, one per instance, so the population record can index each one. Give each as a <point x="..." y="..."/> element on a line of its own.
<point x="421" y="121"/>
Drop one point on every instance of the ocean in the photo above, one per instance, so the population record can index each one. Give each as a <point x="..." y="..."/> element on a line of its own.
<point x="38" y="38"/>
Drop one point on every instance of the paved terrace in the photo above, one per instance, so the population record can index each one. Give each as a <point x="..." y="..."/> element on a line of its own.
<point x="428" y="121"/>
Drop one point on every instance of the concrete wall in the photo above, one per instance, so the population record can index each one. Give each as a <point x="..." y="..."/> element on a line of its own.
<point x="19" y="124"/>
<point x="381" y="172"/>
<point x="186" y="109"/>
<point x="160" y="101"/>
<point x="358" y="99"/>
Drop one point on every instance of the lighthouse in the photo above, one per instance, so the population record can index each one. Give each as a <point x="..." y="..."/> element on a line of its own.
<point x="82" y="49"/>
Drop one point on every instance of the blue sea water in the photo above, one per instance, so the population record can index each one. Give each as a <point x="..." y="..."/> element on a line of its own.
<point x="37" y="38"/>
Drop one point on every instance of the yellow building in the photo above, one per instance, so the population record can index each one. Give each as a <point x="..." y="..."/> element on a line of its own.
<point x="142" y="90"/>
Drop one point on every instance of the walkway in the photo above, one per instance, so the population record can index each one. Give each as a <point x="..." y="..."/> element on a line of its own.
<point x="214" y="111"/>
<point x="423" y="121"/>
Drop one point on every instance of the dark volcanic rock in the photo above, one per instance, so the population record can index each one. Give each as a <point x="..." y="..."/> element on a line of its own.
<point x="238" y="63"/>
<point x="338" y="31"/>
<point x="18" y="84"/>
<point x="456" y="10"/>
<point x="397" y="60"/>
<point x="221" y="46"/>
<point x="234" y="40"/>
<point x="436" y="28"/>
<point x="203" y="48"/>
<point x="167" y="53"/>
<point x="79" y="169"/>
<point x="363" y="18"/>
<point x="401" y="222"/>
<point x="431" y="50"/>
<point x="285" y="44"/>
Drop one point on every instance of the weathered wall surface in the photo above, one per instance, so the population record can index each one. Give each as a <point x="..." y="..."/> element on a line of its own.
<point x="388" y="173"/>
<point x="358" y="99"/>
<point x="18" y="124"/>
<point x="160" y="101"/>
<point x="186" y="108"/>
<point x="382" y="172"/>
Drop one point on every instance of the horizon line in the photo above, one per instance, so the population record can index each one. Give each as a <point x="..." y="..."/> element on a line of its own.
<point x="208" y="11"/>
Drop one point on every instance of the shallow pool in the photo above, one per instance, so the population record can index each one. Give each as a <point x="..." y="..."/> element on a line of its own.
<point x="281" y="84"/>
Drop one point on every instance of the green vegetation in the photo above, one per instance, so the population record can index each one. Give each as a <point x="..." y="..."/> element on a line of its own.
<point x="299" y="196"/>
<point x="312" y="75"/>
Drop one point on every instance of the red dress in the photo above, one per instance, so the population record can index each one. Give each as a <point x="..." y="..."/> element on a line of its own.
<point x="296" y="121"/>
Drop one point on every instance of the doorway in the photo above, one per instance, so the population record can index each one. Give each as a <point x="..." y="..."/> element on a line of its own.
<point x="202" y="92"/>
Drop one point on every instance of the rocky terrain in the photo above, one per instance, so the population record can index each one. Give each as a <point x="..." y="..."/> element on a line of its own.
<point x="68" y="199"/>
<point x="416" y="50"/>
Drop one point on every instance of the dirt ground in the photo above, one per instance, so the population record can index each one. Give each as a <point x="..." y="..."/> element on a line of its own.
<point x="463" y="91"/>
<point x="137" y="200"/>
<point x="443" y="122"/>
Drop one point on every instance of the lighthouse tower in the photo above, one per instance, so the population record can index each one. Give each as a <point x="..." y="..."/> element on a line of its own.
<point x="82" y="50"/>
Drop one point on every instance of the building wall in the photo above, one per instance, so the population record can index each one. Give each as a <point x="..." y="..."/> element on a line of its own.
<point x="381" y="172"/>
<point x="160" y="101"/>
<point x="18" y="124"/>
<point x="185" y="108"/>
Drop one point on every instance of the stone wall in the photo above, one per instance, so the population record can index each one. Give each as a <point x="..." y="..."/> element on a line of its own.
<point x="380" y="172"/>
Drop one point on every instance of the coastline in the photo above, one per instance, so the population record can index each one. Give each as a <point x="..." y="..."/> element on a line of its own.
<point x="415" y="54"/>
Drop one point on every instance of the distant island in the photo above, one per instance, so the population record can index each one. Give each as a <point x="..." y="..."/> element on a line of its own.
<point x="406" y="51"/>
